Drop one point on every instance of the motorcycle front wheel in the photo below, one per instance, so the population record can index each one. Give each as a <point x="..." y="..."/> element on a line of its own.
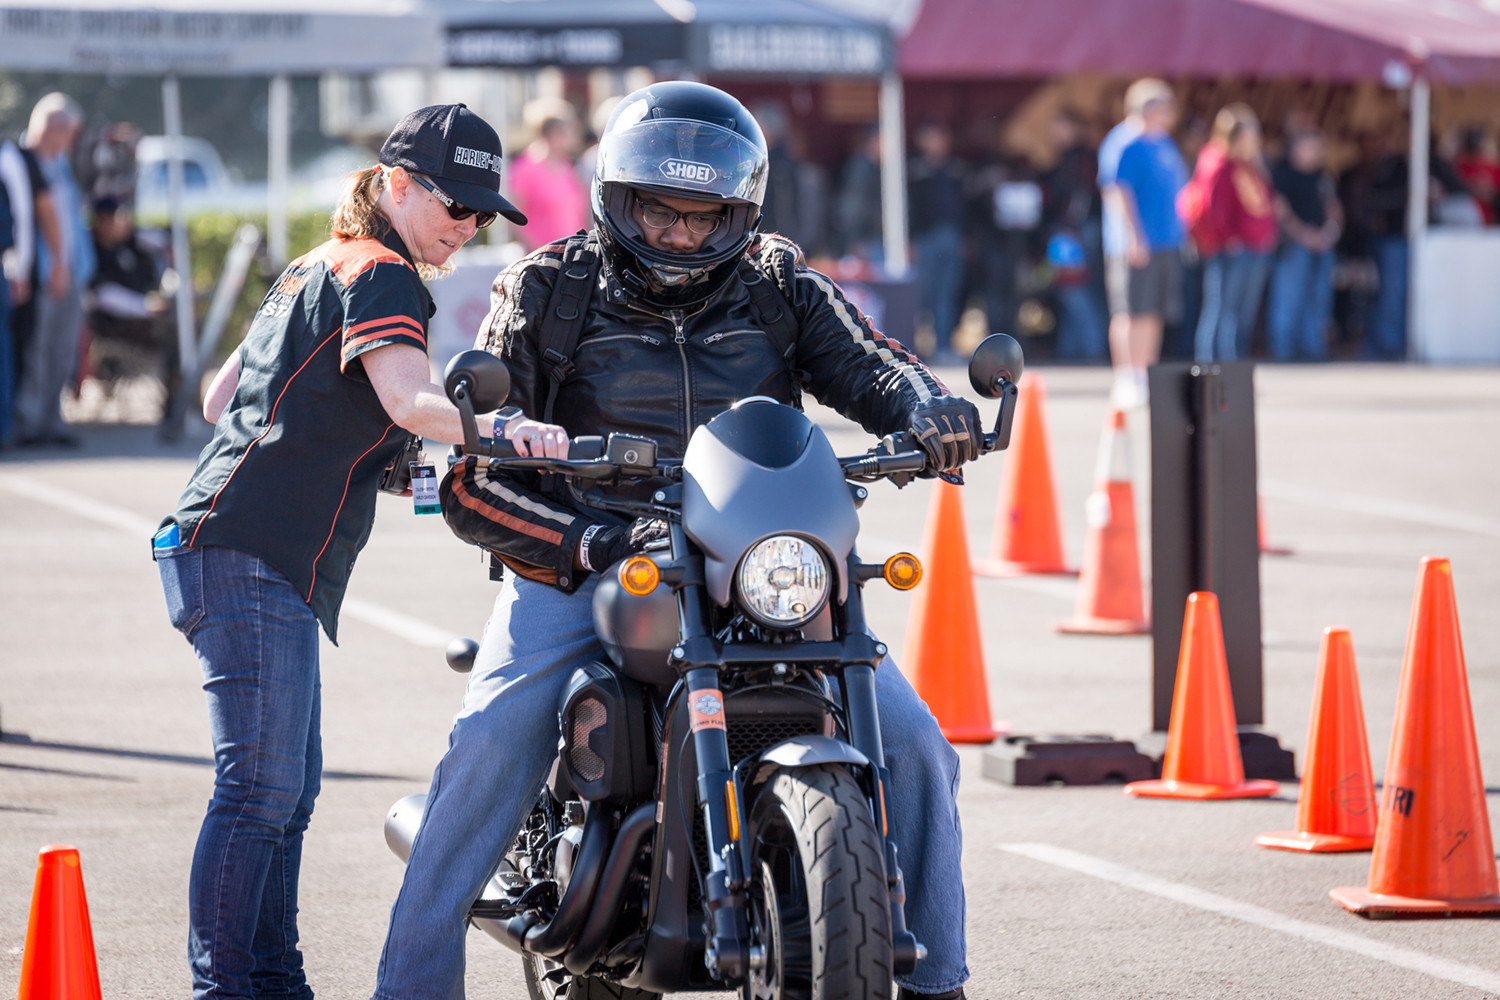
<point x="819" y="906"/>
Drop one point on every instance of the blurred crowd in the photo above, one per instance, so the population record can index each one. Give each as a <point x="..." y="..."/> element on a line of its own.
<point x="80" y="281"/>
<point x="1187" y="239"/>
<point x="1158" y="235"/>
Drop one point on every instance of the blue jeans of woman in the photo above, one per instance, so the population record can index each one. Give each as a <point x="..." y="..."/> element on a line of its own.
<point x="257" y="643"/>
<point x="1232" y="285"/>
<point x="1300" y="303"/>
<point x="502" y="746"/>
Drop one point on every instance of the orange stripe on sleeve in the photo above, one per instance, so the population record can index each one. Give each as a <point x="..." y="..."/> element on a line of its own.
<point x="500" y="517"/>
<point x="396" y="320"/>
<point x="378" y="334"/>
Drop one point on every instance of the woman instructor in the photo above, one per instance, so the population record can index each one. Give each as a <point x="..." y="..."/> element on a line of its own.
<point x="330" y="381"/>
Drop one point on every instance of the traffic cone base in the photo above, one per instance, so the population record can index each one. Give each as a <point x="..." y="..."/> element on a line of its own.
<point x="1001" y="569"/>
<point x="1314" y="843"/>
<point x="975" y="732"/>
<point x="1103" y="626"/>
<point x="1379" y="906"/>
<point x="1167" y="788"/>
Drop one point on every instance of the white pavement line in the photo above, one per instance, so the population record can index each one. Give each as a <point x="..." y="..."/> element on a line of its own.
<point x="413" y="630"/>
<point x="403" y="626"/>
<point x="1416" y="961"/>
<point x="105" y="514"/>
<point x="1400" y="510"/>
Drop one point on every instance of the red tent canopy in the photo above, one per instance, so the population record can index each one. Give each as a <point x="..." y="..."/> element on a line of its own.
<point x="1452" y="41"/>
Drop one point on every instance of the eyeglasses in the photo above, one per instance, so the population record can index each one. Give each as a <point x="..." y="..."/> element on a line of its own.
<point x="456" y="212"/>
<point x="659" y="216"/>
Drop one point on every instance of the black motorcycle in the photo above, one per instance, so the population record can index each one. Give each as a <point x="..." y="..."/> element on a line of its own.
<point x="717" y="814"/>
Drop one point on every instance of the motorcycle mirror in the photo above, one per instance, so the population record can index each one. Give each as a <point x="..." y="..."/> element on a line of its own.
<point x="482" y="376"/>
<point x="998" y="359"/>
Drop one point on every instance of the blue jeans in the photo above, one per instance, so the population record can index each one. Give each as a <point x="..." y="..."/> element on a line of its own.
<point x="257" y="642"/>
<point x="1387" y="336"/>
<point x="1232" y="287"/>
<point x="940" y="272"/>
<point x="502" y="746"/>
<point x="1300" y="303"/>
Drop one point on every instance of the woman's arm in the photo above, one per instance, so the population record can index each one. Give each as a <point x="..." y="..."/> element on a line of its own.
<point x="221" y="389"/>
<point x="401" y="379"/>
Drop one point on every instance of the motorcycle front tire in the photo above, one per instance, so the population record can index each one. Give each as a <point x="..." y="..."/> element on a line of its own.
<point x="820" y="905"/>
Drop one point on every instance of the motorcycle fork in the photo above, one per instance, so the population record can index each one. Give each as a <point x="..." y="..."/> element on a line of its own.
<point x="724" y="885"/>
<point x="863" y="721"/>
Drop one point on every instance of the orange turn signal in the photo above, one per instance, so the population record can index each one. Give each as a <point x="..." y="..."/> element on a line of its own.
<point x="902" y="571"/>
<point x="639" y="575"/>
<point x="732" y="808"/>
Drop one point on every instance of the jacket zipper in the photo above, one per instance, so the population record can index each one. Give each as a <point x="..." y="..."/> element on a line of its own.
<point x="715" y="338"/>
<point x="680" y="339"/>
<point x="644" y="338"/>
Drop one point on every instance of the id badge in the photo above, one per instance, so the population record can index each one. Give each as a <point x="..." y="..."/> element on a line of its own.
<point x="424" y="490"/>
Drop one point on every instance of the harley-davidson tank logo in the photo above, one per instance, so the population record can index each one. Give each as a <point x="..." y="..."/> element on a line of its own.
<point x="689" y="170"/>
<point x="706" y="710"/>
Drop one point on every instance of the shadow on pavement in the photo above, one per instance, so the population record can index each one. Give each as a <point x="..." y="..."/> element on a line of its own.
<point x="21" y="739"/>
<point x="96" y="441"/>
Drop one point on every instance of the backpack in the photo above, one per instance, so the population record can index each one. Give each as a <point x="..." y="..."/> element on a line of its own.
<point x="567" y="307"/>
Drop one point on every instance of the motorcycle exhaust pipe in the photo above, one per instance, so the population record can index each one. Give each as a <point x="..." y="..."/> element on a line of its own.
<point x="634" y="830"/>
<point x="401" y="825"/>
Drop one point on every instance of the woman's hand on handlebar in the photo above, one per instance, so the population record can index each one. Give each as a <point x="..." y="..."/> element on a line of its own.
<point x="534" y="439"/>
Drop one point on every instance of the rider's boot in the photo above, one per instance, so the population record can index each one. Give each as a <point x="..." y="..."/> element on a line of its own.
<point x="907" y="994"/>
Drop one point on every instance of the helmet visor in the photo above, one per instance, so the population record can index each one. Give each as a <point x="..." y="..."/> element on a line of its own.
<point x="684" y="158"/>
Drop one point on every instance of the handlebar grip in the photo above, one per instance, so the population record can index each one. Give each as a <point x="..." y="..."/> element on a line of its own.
<point x="498" y="447"/>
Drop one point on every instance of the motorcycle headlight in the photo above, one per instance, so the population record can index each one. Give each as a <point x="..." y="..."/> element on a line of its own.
<point x="783" y="581"/>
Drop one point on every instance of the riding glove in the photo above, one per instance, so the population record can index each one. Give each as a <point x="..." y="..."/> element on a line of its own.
<point x="602" y="547"/>
<point x="948" y="429"/>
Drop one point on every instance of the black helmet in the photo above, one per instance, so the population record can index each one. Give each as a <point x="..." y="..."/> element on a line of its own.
<point x="682" y="140"/>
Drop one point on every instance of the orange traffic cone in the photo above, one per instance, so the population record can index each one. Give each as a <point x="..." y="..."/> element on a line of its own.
<point x="1203" y="749"/>
<point x="1028" y="535"/>
<point x="1109" y="589"/>
<point x="59" y="960"/>
<point x="944" y="657"/>
<point x="1433" y="852"/>
<point x="1266" y="548"/>
<point x="1336" y="810"/>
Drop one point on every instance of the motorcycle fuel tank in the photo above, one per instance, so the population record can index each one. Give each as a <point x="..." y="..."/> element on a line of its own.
<point x="758" y="469"/>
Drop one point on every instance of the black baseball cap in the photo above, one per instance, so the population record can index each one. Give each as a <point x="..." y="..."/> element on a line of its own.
<point x="458" y="150"/>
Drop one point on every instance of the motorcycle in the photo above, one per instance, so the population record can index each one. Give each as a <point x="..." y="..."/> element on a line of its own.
<point x="716" y="817"/>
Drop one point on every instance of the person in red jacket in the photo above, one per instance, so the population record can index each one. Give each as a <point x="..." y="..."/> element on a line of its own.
<point x="1228" y="209"/>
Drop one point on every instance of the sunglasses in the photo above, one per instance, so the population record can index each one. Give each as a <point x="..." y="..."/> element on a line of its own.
<point x="456" y="212"/>
<point x="659" y="216"/>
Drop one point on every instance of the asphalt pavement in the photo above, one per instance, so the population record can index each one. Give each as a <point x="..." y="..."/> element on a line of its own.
<point x="1073" y="892"/>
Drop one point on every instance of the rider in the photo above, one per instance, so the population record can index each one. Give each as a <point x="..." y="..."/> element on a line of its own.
<point x="673" y="333"/>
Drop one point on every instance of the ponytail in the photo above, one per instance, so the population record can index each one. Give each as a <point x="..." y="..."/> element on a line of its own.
<point x="357" y="215"/>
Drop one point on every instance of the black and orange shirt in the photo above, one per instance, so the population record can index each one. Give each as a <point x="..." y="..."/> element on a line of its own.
<point x="291" y="474"/>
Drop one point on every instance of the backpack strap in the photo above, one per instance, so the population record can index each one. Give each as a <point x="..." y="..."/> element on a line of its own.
<point x="567" y="307"/>
<point x="773" y="310"/>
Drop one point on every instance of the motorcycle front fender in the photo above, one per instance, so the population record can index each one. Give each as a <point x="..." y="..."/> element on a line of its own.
<point x="806" y="751"/>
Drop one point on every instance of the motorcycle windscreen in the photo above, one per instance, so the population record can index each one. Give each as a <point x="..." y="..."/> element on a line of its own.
<point x="759" y="469"/>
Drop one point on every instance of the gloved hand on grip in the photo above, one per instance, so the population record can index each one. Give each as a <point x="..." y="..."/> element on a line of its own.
<point x="602" y="547"/>
<point x="948" y="429"/>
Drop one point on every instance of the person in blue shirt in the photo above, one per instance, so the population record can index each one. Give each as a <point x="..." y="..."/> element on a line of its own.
<point x="1140" y="173"/>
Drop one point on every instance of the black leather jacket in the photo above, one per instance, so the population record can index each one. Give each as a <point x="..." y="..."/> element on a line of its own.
<point x="660" y="375"/>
